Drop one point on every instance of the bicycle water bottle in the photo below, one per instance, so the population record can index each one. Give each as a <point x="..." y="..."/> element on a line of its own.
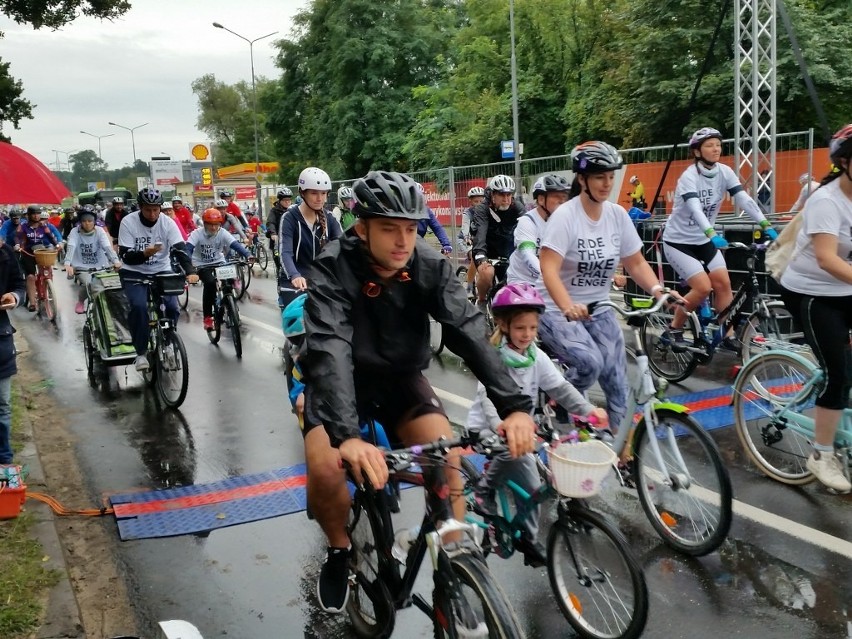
<point x="402" y="541"/>
<point x="705" y="312"/>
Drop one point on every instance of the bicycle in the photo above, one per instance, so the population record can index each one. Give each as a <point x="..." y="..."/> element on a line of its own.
<point x="259" y="253"/>
<point x="705" y="331"/>
<point x="675" y="466"/>
<point x="168" y="363"/>
<point x="106" y="343"/>
<point x="466" y="600"/>
<point x="225" y="309"/>
<point x="773" y="399"/>
<point x="594" y="576"/>
<point x="45" y="259"/>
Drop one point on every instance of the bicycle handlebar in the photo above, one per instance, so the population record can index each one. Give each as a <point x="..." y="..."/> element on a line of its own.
<point x="489" y="444"/>
<point x="639" y="312"/>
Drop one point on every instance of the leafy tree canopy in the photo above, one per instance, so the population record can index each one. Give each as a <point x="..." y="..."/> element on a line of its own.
<point x="56" y="13"/>
<point x="13" y="107"/>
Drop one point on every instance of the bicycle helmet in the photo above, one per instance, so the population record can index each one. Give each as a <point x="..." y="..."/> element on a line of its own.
<point x="15" y="213"/>
<point x="292" y="317"/>
<point x="220" y="204"/>
<point x="226" y="193"/>
<point x="149" y="195"/>
<point x="89" y="208"/>
<point x="702" y="134"/>
<point x="476" y="191"/>
<point x="212" y="216"/>
<point x="550" y="184"/>
<point x="840" y="146"/>
<point x="389" y="194"/>
<point x="44" y="215"/>
<point x="314" y="179"/>
<point x="501" y="184"/>
<point x="85" y="213"/>
<point x="344" y="193"/>
<point x="284" y="193"/>
<point x="167" y="206"/>
<point x="513" y="297"/>
<point x="595" y="157"/>
<point x="634" y="179"/>
<point x="33" y="210"/>
<point x="118" y="200"/>
<point x="177" y="198"/>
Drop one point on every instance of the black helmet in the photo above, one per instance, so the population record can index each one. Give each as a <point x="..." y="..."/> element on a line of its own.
<point x="15" y="213"/>
<point x="389" y="194"/>
<point x="32" y="209"/>
<point x="149" y="195"/>
<point x="595" y="157"/>
<point x="285" y="192"/>
<point x="550" y="184"/>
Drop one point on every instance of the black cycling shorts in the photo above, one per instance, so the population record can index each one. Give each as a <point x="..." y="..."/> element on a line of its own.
<point x="28" y="264"/>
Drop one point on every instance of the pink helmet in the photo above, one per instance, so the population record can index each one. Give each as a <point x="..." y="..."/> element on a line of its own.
<point x="517" y="296"/>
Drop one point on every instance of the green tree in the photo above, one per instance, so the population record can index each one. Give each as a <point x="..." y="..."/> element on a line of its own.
<point x="56" y="13"/>
<point x="86" y="166"/>
<point x="13" y="107"/>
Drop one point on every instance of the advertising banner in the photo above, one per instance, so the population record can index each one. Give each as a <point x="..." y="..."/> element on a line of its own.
<point x="165" y="173"/>
<point x="245" y="193"/>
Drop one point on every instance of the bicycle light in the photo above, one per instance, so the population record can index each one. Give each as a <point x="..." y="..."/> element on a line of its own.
<point x="662" y="387"/>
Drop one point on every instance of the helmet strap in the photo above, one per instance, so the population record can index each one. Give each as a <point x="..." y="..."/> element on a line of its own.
<point x="586" y="189"/>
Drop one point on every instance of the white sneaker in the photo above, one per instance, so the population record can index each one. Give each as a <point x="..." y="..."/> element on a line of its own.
<point x="826" y="468"/>
<point x="141" y="363"/>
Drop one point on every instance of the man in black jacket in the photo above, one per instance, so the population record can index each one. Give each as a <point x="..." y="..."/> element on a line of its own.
<point x="493" y="230"/>
<point x="113" y="217"/>
<point x="12" y="291"/>
<point x="367" y="343"/>
<point x="273" y="223"/>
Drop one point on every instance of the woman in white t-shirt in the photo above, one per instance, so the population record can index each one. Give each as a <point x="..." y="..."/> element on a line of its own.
<point x="809" y="186"/>
<point x="817" y="290"/>
<point x="583" y="242"/>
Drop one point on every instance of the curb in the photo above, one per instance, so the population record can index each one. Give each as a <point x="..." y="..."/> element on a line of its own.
<point x="62" y="615"/>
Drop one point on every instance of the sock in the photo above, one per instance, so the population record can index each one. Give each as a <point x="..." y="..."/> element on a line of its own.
<point x="819" y="449"/>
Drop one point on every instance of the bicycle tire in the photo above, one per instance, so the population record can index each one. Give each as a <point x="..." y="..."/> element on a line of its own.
<point x="90" y="355"/>
<point x="262" y="257"/>
<point x="436" y="337"/>
<point x="370" y="606"/>
<point x="482" y="597"/>
<point x="233" y="317"/>
<point x="51" y="310"/>
<point x="245" y="278"/>
<point x="183" y="300"/>
<point x="215" y="335"/>
<point x="664" y="362"/>
<point x="775" y="323"/>
<point x="772" y="379"/>
<point x="581" y="540"/>
<point x="172" y="367"/>
<point x="690" y="511"/>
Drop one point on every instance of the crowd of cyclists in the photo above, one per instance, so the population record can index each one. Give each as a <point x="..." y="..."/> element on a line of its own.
<point x="357" y="287"/>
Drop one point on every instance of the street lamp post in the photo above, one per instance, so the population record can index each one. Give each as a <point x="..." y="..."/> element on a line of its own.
<point x="516" y="143"/>
<point x="254" y="109"/>
<point x="100" y="157"/>
<point x="132" y="137"/>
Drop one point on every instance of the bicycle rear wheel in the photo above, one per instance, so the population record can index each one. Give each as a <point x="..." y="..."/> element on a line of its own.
<point x="663" y="360"/>
<point x="93" y="358"/>
<point x="479" y="603"/>
<point x="232" y="316"/>
<point x="370" y="606"/>
<point x="262" y="257"/>
<point x="245" y="278"/>
<point x="776" y="325"/>
<point x="689" y="505"/>
<point x="766" y="384"/>
<point x="595" y="578"/>
<point x="172" y="369"/>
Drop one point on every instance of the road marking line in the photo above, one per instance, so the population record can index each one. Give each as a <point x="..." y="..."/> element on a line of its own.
<point x="458" y="400"/>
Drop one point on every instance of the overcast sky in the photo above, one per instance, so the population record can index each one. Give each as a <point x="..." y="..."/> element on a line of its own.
<point x="134" y="70"/>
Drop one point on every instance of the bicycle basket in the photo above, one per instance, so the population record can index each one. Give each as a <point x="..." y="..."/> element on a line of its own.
<point x="45" y="257"/>
<point x="579" y="469"/>
<point x="171" y="284"/>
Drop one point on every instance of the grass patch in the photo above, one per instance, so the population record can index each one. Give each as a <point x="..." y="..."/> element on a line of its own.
<point x="24" y="581"/>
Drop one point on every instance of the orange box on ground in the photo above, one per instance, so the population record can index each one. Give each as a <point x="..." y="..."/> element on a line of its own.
<point x="11" y="500"/>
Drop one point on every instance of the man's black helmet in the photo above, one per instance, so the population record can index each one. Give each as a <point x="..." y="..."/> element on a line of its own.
<point x="550" y="184"/>
<point x="149" y="195"/>
<point x="595" y="157"/>
<point x="285" y="192"/>
<point x="33" y="210"/>
<point x="389" y="194"/>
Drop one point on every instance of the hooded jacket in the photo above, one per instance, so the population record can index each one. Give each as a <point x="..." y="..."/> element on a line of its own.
<point x="494" y="231"/>
<point x="350" y="334"/>
<point x="300" y="244"/>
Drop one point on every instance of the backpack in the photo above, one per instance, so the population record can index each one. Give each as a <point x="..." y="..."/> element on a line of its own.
<point x="782" y="251"/>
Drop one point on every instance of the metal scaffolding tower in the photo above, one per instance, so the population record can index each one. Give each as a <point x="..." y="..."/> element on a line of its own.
<point x="754" y="88"/>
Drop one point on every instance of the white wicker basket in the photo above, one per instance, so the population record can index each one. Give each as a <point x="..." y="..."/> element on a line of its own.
<point x="579" y="469"/>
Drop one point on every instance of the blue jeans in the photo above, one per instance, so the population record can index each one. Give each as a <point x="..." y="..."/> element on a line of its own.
<point x="137" y="295"/>
<point x="5" y="420"/>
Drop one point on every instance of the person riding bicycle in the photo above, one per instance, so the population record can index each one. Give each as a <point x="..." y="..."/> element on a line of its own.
<point x="432" y="223"/>
<point x="208" y="247"/>
<point x="367" y="343"/>
<point x="168" y="209"/>
<point x="231" y="224"/>
<point x="10" y="227"/>
<point x="583" y="242"/>
<point x="182" y="215"/>
<point x="45" y="219"/>
<point x="343" y="211"/>
<point x="305" y="229"/>
<point x="816" y="288"/>
<point x="233" y="209"/>
<point x="146" y="243"/>
<point x="690" y="243"/>
<point x="637" y="195"/>
<point x="30" y="234"/>
<point x="284" y="200"/>
<point x="549" y="192"/>
<point x="89" y="249"/>
<point x="68" y="222"/>
<point x="516" y="309"/>
<point x="493" y="229"/>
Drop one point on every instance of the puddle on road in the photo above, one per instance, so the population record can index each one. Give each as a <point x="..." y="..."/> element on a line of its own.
<point x="166" y="446"/>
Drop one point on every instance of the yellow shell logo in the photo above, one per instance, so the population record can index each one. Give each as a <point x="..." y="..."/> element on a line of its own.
<point x="200" y="152"/>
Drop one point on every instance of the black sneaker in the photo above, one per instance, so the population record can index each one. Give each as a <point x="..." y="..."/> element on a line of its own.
<point x="731" y="344"/>
<point x="333" y="582"/>
<point x="674" y="337"/>
<point x="534" y="552"/>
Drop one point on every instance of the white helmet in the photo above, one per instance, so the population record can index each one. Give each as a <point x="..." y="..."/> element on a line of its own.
<point x="344" y="193"/>
<point x="502" y="184"/>
<point x="314" y="179"/>
<point x="220" y="204"/>
<point x="177" y="198"/>
<point x="634" y="179"/>
<point x="476" y="191"/>
<point x="44" y="215"/>
<point x="167" y="206"/>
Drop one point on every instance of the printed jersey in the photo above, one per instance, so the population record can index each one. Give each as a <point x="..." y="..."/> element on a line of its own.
<point x="709" y="187"/>
<point x="208" y="251"/>
<point x="30" y="236"/>
<point x="590" y="250"/>
<point x="135" y="236"/>
<point x="89" y="250"/>
<point x="828" y="211"/>
<point x="523" y="263"/>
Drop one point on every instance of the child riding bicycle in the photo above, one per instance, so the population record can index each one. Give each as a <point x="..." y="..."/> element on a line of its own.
<point x="516" y="310"/>
<point x="89" y="249"/>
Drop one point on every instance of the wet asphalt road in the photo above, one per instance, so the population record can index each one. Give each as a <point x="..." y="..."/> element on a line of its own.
<point x="257" y="580"/>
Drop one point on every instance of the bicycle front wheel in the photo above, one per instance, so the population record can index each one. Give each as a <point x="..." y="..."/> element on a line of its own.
<point x="767" y="384"/>
<point x="688" y="499"/>
<point x="216" y="332"/>
<point x="262" y="257"/>
<point x="595" y="578"/>
<point x="479" y="603"/>
<point x="663" y="359"/>
<point x="172" y="369"/>
<point x="183" y="299"/>
<point x="51" y="310"/>
<point x="233" y="320"/>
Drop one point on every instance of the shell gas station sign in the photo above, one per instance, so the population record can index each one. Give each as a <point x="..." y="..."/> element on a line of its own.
<point x="201" y="163"/>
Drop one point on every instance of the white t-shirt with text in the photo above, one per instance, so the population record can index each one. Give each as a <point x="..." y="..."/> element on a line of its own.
<point x="134" y="235"/>
<point x="709" y="187"/>
<point x="210" y="250"/>
<point x="528" y="234"/>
